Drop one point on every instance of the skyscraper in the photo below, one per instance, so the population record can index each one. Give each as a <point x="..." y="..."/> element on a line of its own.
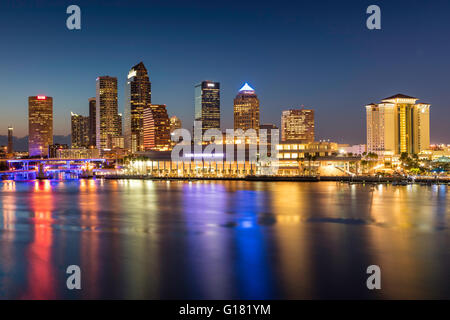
<point x="207" y="104"/>
<point x="175" y="123"/>
<point x="10" y="148"/>
<point x="107" y="118"/>
<point x="40" y="125"/>
<point x="156" y="128"/>
<point x="246" y="109"/>
<point x="138" y="97"/>
<point x="398" y="124"/>
<point x="297" y="124"/>
<point x="92" y="123"/>
<point x="80" y="131"/>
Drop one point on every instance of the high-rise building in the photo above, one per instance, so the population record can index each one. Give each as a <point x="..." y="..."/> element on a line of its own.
<point x="398" y="124"/>
<point x="10" y="148"/>
<point x="80" y="131"/>
<point x="156" y="128"/>
<point x="138" y="96"/>
<point x="92" y="122"/>
<point x="207" y="104"/>
<point x="175" y="123"/>
<point x="40" y="125"/>
<point x="246" y="109"/>
<point x="297" y="124"/>
<point x="107" y="118"/>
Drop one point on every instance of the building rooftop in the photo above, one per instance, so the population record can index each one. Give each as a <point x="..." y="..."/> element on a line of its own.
<point x="246" y="87"/>
<point x="400" y="96"/>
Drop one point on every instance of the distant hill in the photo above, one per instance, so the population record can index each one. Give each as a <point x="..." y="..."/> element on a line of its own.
<point x="21" y="144"/>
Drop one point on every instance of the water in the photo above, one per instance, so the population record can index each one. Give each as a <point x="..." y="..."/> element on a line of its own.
<point x="223" y="240"/>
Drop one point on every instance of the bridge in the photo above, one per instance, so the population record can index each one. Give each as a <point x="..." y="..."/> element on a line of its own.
<point x="61" y="169"/>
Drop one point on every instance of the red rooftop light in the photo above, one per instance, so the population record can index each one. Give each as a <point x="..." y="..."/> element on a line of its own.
<point x="41" y="97"/>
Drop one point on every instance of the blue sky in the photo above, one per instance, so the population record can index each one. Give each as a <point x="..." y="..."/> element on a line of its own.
<point x="312" y="53"/>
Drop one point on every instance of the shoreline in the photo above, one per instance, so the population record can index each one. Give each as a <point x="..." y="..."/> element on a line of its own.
<point x="359" y="179"/>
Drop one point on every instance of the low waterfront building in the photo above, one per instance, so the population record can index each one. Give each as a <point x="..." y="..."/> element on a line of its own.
<point x="77" y="153"/>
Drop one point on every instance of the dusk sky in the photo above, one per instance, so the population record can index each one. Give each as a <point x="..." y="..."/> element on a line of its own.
<point x="313" y="53"/>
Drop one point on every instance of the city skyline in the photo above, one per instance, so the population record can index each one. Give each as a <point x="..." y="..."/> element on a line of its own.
<point x="337" y="67"/>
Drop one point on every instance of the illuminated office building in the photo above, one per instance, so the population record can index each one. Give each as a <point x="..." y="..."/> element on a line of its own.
<point x="398" y="124"/>
<point x="40" y="125"/>
<point x="246" y="109"/>
<point x="175" y="123"/>
<point x="156" y="128"/>
<point x="80" y="131"/>
<point x="297" y="124"/>
<point x="10" y="148"/>
<point x="107" y="118"/>
<point x="207" y="104"/>
<point x="92" y="122"/>
<point x="138" y="96"/>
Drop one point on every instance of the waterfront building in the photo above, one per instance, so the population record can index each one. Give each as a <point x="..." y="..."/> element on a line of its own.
<point x="246" y="109"/>
<point x="138" y="96"/>
<point x="77" y="153"/>
<point x="54" y="148"/>
<point x="314" y="158"/>
<point x="156" y="128"/>
<point x="294" y="159"/>
<point x="108" y="122"/>
<point x="10" y="148"/>
<point x="92" y="122"/>
<point x="80" y="134"/>
<point x="270" y="129"/>
<point x="40" y="125"/>
<point x="398" y="124"/>
<point x="207" y="104"/>
<point x="297" y="124"/>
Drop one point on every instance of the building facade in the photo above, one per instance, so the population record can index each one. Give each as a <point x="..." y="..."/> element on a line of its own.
<point x="53" y="149"/>
<point x="297" y="124"/>
<point x="156" y="128"/>
<point x="246" y="109"/>
<point x="175" y="123"/>
<point x="138" y="97"/>
<point x="92" y="122"/>
<point x="80" y="133"/>
<point x="398" y="125"/>
<point x="107" y="117"/>
<point x="10" y="148"/>
<point x="207" y="105"/>
<point x="40" y="125"/>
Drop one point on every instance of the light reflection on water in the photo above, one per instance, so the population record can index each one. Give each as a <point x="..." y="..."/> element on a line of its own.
<point x="221" y="240"/>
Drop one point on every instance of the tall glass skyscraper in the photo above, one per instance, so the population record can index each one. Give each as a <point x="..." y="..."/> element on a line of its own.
<point x="40" y="125"/>
<point x="157" y="128"/>
<point x="107" y="117"/>
<point x="246" y="109"/>
<point x="80" y="131"/>
<point x="138" y="97"/>
<point x="207" y="104"/>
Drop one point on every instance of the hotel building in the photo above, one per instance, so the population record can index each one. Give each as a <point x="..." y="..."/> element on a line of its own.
<point x="138" y="96"/>
<point x="297" y="124"/>
<point x="107" y="117"/>
<point x="80" y="131"/>
<point x="398" y="124"/>
<point x="40" y="125"/>
<point x="246" y="109"/>
<point x="207" y="105"/>
<point x="156" y="128"/>
<point x="175" y="123"/>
